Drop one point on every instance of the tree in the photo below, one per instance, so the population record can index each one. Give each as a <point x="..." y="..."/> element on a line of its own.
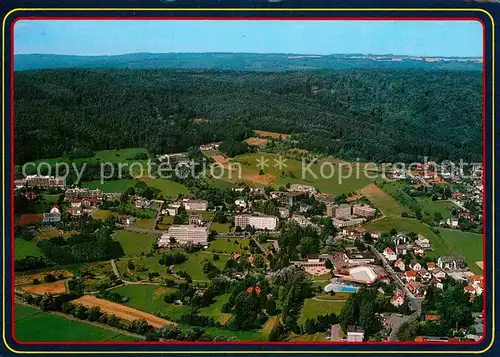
<point x="277" y="332"/>
<point x="328" y="264"/>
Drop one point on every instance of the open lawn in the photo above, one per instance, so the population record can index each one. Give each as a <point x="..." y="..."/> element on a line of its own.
<point x="221" y="227"/>
<point x="23" y="248"/>
<point x="430" y="208"/>
<point x="313" y="308"/>
<point x="227" y="245"/>
<point x="110" y="185"/>
<point x="168" y="188"/>
<point x="144" y="223"/>
<point x="32" y="324"/>
<point x="194" y="265"/>
<point x="468" y="245"/>
<point x="335" y="180"/>
<point x="149" y="298"/>
<point x="384" y="225"/>
<point x="382" y="200"/>
<point x="135" y="243"/>
<point x="102" y="214"/>
<point x="214" y="310"/>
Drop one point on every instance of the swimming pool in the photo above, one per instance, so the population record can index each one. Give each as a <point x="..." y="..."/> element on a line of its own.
<point x="338" y="288"/>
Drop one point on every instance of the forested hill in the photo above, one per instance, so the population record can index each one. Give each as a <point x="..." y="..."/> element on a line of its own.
<point x="381" y="115"/>
<point x="242" y="61"/>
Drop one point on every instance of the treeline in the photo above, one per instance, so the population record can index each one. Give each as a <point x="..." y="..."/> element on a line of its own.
<point x="62" y="303"/>
<point x="379" y="115"/>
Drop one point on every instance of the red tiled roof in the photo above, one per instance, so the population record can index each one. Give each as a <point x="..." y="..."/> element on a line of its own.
<point x="432" y="317"/>
<point x="28" y="219"/>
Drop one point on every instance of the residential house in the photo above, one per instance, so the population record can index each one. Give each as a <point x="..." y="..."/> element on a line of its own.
<point x="415" y="265"/>
<point x="438" y="273"/>
<point x="376" y="235"/>
<point x="450" y="263"/>
<point x="424" y="274"/>
<point x="53" y="216"/>
<point x="401" y="249"/>
<point x="437" y="283"/>
<point x="400" y="264"/>
<point x="423" y="242"/>
<point x="410" y="275"/>
<point x="431" y="265"/>
<point x="142" y="203"/>
<point x="418" y="251"/>
<point x="398" y="299"/>
<point x="418" y="289"/>
<point x="389" y="254"/>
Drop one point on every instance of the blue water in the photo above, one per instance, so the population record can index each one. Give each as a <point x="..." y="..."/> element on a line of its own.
<point x="340" y="288"/>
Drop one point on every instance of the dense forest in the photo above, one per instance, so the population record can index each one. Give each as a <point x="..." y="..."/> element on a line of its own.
<point x="240" y="61"/>
<point x="379" y="115"/>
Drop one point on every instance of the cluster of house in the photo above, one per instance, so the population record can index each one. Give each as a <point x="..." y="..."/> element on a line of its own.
<point x="346" y="215"/>
<point x="82" y="200"/>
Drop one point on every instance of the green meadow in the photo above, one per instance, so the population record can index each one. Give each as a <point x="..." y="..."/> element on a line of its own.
<point x="32" y="324"/>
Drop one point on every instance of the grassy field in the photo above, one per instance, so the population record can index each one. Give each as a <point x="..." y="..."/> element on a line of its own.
<point x="144" y="223"/>
<point x="33" y="325"/>
<point x="135" y="243"/>
<point x="102" y="214"/>
<point x="384" y="225"/>
<point x="168" y="188"/>
<point x="45" y="203"/>
<point x="221" y="227"/>
<point x="332" y="183"/>
<point x="24" y="248"/>
<point x="149" y="298"/>
<point x="214" y="310"/>
<point x="383" y="201"/>
<point x="194" y="265"/>
<point x="225" y="246"/>
<point x="110" y="185"/>
<point x="468" y="245"/>
<point x="313" y="308"/>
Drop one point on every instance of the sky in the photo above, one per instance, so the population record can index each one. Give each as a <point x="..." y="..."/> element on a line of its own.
<point x="110" y="37"/>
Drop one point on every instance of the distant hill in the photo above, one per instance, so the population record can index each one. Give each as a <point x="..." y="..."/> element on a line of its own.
<point x="243" y="62"/>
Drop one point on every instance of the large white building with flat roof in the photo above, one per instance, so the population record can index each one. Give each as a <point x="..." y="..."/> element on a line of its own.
<point x="184" y="234"/>
<point x="261" y="222"/>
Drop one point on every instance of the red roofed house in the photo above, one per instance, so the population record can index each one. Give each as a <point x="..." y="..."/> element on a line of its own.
<point x="418" y="251"/>
<point x="410" y="275"/>
<point x="400" y="264"/>
<point x="431" y="265"/>
<point x="257" y="290"/>
<point x="431" y="317"/>
<point x="398" y="299"/>
<point x="389" y="254"/>
<point x="376" y="235"/>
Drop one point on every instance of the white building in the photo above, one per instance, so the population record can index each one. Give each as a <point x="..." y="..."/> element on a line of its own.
<point x="347" y="222"/>
<point x="257" y="222"/>
<point x="195" y="205"/>
<point x="184" y="234"/>
<point x="355" y="334"/>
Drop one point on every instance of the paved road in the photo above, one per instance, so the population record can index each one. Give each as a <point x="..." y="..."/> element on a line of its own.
<point x="393" y="336"/>
<point x="415" y="302"/>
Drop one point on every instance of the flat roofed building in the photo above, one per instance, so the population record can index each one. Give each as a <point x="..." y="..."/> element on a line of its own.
<point x="184" y="234"/>
<point x="260" y="222"/>
<point x="363" y="210"/>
